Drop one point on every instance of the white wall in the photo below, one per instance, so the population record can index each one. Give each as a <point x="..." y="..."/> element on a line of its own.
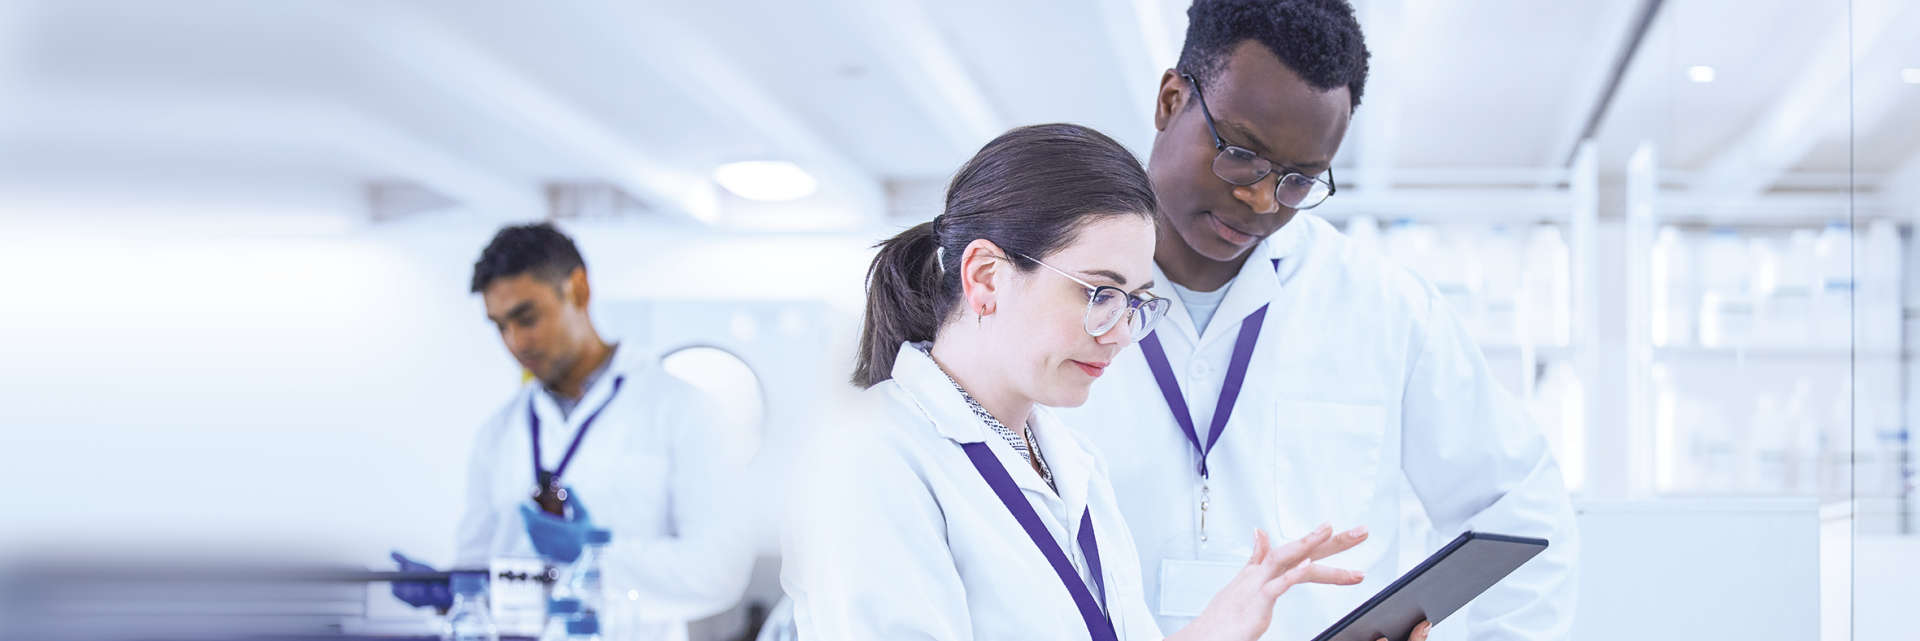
<point x="1732" y="568"/>
<point x="246" y="382"/>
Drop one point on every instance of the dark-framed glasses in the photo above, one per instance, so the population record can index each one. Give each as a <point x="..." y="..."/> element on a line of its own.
<point x="1241" y="166"/>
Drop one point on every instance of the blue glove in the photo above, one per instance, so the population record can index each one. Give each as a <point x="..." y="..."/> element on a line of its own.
<point x="557" y="539"/>
<point x="421" y="594"/>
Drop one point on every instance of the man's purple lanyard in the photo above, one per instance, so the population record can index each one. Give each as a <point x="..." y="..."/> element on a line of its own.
<point x="1098" y="625"/>
<point x="548" y="483"/>
<point x="1229" y="392"/>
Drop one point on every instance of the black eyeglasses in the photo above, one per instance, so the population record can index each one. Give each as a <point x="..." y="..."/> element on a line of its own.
<point x="1240" y="166"/>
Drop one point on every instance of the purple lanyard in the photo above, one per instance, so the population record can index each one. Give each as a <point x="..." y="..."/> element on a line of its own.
<point x="551" y="480"/>
<point x="1098" y="625"/>
<point x="1229" y="389"/>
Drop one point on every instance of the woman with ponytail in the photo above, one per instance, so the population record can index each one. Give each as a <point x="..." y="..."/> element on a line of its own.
<point x="956" y="506"/>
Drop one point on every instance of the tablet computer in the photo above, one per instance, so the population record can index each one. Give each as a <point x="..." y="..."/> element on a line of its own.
<point x="1436" y="588"/>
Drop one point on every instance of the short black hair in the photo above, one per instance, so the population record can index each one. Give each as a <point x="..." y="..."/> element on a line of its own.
<point x="536" y="249"/>
<point x="1318" y="39"/>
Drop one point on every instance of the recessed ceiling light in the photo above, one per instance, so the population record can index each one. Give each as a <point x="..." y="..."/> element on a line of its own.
<point x="765" y="180"/>
<point x="1910" y="75"/>
<point x="1700" y="73"/>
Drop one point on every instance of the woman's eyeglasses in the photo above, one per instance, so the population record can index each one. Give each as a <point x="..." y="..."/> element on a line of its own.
<point x="1108" y="305"/>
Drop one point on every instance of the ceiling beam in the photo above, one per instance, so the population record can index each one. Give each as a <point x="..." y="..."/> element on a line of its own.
<point x="1146" y="43"/>
<point x="1808" y="209"/>
<point x="666" y="43"/>
<point x="1601" y="80"/>
<point x="912" y="48"/>
<point x="1817" y="104"/>
<point x="14" y="39"/>
<point x="187" y="122"/>
<point x="1476" y="177"/>
<point x="1790" y="180"/>
<point x="440" y="56"/>
<point x="1392" y="27"/>
<point x="1485" y="205"/>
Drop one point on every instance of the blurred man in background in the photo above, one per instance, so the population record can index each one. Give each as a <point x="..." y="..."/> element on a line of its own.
<point x="598" y="422"/>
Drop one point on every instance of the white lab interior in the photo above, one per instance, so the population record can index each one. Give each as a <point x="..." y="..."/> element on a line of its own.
<point x="237" y="237"/>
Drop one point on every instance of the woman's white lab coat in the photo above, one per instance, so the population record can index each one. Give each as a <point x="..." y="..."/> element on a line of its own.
<point x="895" y="534"/>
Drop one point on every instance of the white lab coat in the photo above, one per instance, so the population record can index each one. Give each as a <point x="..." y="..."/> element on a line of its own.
<point x="894" y="534"/>
<point x="653" y="468"/>
<point x="1362" y="377"/>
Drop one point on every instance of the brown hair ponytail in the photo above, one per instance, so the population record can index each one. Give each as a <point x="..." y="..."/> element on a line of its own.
<point x="1028" y="191"/>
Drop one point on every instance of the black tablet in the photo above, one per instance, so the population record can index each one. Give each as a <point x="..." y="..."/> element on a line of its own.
<point x="1436" y="588"/>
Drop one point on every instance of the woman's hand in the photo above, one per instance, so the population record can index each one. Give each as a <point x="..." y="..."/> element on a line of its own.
<point x="1243" y="609"/>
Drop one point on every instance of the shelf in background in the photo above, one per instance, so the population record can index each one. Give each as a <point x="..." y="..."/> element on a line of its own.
<point x="1779" y="353"/>
<point x="1542" y="352"/>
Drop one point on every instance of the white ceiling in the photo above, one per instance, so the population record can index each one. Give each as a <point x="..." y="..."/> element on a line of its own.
<point x="1783" y="98"/>
<point x="488" y="101"/>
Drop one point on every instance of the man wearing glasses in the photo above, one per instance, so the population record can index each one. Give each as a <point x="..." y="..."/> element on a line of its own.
<point x="1299" y="380"/>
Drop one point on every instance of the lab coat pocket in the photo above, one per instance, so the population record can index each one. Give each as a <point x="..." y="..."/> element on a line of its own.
<point x="1327" y="459"/>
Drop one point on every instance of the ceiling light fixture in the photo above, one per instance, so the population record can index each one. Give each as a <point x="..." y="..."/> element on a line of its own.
<point x="1700" y="73"/>
<point x="765" y="180"/>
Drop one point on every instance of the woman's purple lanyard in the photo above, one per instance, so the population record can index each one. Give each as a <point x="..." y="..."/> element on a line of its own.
<point x="548" y="483"/>
<point x="1098" y="625"/>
